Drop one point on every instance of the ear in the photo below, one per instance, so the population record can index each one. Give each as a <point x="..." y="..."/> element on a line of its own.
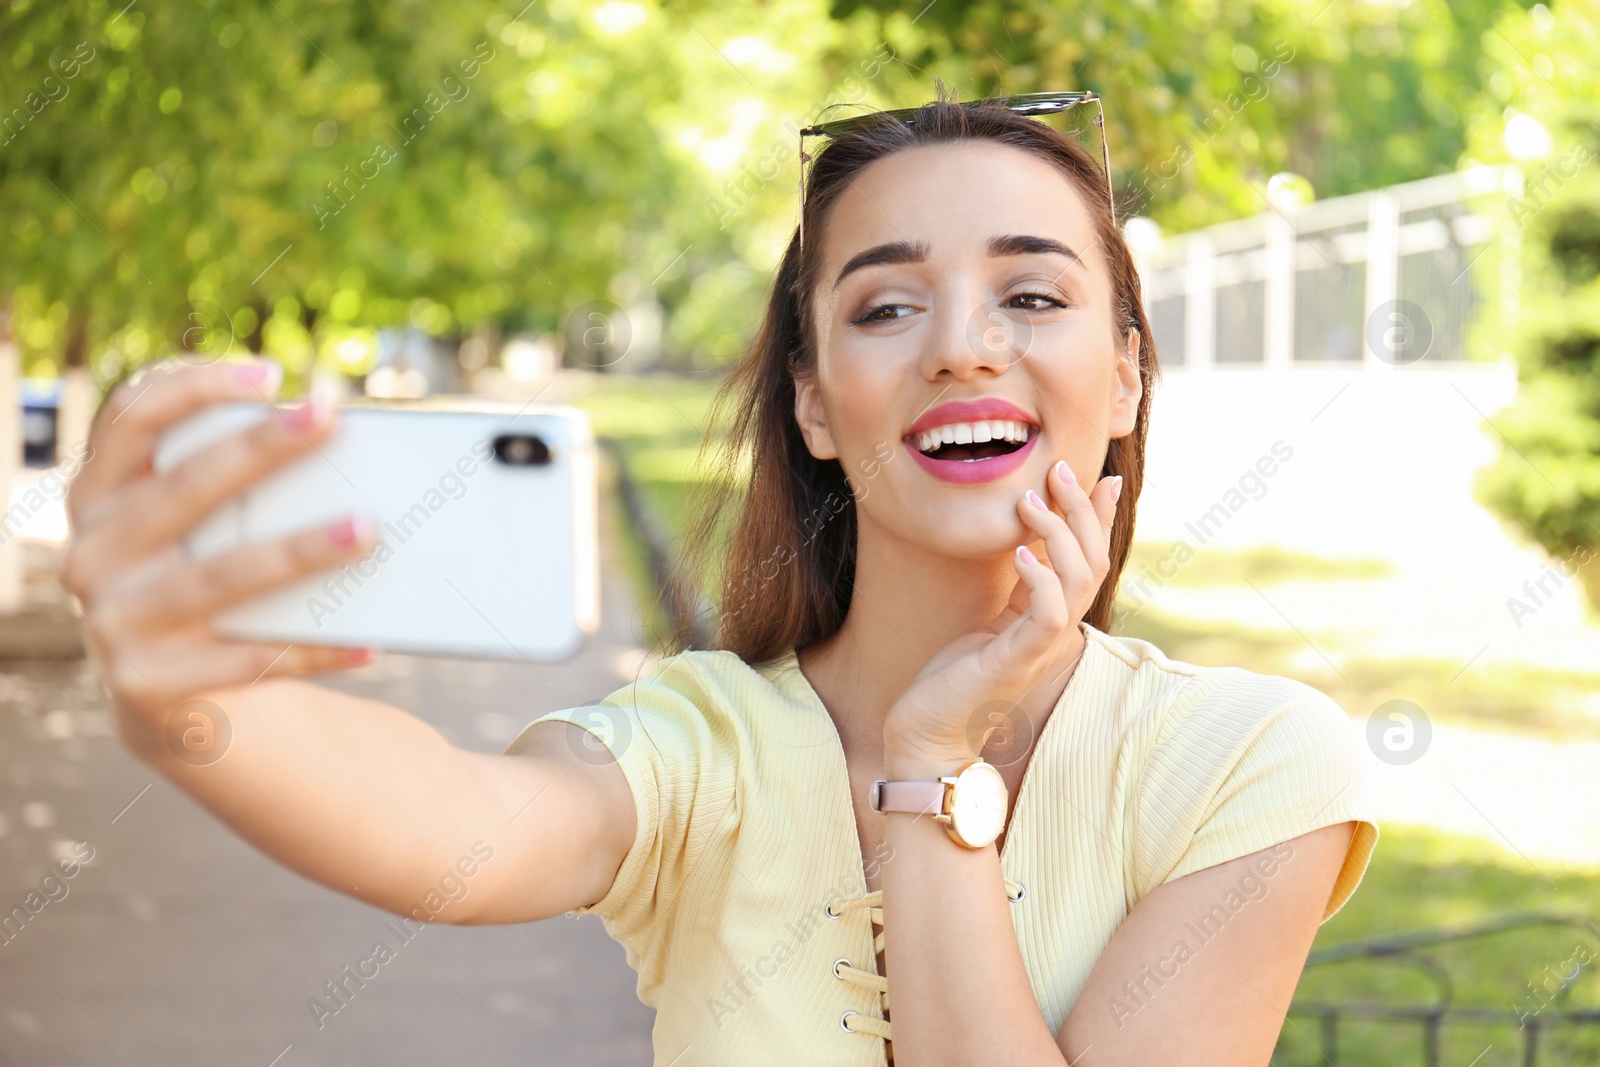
<point x="1129" y="390"/>
<point x="811" y="417"/>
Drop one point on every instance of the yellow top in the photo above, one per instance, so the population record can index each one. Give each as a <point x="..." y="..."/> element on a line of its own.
<point x="1146" y="770"/>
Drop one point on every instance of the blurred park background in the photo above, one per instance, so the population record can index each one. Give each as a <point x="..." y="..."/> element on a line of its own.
<point x="1369" y="233"/>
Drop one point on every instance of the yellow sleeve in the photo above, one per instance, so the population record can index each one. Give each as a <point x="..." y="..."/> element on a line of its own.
<point x="672" y="735"/>
<point x="1243" y="762"/>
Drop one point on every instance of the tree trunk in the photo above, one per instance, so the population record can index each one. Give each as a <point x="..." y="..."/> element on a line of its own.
<point x="254" y="342"/>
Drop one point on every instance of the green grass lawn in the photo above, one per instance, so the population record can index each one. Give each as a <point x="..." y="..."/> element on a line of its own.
<point x="656" y="423"/>
<point x="1529" y="700"/>
<point x="1422" y="880"/>
<point x="1263" y="566"/>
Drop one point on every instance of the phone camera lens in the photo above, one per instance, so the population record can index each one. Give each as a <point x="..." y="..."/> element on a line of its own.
<point x="521" y="450"/>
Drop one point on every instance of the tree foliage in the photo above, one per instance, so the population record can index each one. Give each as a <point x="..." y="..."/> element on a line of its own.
<point x="298" y="170"/>
<point x="1207" y="99"/>
<point x="1546" y="91"/>
<point x="294" y="175"/>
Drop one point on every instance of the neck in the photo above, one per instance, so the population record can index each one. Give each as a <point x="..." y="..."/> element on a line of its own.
<point x="907" y="605"/>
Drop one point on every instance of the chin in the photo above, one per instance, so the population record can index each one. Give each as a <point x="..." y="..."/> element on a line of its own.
<point x="973" y="532"/>
<point x="963" y="521"/>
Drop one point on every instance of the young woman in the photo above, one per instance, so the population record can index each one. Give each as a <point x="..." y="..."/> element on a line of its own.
<point x="1086" y="853"/>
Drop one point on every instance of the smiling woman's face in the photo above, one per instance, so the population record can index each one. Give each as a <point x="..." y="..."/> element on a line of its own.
<point x="956" y="275"/>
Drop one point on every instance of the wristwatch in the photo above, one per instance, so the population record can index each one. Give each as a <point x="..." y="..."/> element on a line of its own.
<point x="971" y="803"/>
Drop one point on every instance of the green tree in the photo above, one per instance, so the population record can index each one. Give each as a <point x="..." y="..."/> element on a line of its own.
<point x="1544" y="104"/>
<point x="297" y="173"/>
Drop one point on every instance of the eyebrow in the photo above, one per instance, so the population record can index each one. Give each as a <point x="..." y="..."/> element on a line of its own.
<point x="1009" y="244"/>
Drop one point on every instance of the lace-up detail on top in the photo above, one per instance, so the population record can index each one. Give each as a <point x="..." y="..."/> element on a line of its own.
<point x="855" y="1022"/>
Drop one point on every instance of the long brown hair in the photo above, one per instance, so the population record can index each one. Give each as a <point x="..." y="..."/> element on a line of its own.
<point x="789" y="568"/>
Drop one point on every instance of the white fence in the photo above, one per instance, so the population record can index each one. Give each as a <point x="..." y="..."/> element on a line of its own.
<point x="1316" y="397"/>
<point x="1383" y="278"/>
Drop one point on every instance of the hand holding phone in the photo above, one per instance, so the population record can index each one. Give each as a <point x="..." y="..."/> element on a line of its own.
<point x="147" y="605"/>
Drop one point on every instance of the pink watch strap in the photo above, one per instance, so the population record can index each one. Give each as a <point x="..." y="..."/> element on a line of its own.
<point x="925" y="798"/>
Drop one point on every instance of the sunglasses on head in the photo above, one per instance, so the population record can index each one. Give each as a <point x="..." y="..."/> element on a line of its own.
<point x="1029" y="104"/>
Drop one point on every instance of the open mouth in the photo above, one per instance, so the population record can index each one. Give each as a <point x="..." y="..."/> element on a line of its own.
<point x="968" y="442"/>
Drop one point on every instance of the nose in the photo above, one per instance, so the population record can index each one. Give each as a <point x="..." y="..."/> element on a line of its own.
<point x="972" y="337"/>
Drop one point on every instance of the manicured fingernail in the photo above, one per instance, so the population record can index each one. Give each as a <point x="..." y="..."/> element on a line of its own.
<point x="307" y="414"/>
<point x="362" y="655"/>
<point x="1116" y="488"/>
<point x="347" y="532"/>
<point x="1033" y="498"/>
<point x="264" y="374"/>
<point x="1065" y="472"/>
<point x="1025" y="555"/>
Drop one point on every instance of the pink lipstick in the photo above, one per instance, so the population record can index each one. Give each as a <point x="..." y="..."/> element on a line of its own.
<point x="964" y="469"/>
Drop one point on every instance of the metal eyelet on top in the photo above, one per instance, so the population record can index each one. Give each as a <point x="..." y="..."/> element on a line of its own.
<point x="827" y="909"/>
<point x="1022" y="891"/>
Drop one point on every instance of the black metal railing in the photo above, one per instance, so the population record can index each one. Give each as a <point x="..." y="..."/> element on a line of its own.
<point x="1412" y="950"/>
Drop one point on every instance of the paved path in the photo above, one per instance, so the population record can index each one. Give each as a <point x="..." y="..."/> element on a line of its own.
<point x="179" y="944"/>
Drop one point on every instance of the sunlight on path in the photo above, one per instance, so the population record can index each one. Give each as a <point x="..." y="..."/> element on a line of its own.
<point x="1379" y="466"/>
<point x="1351" y="464"/>
<point x="1537" y="799"/>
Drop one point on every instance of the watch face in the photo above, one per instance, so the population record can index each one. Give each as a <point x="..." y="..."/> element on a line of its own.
<point x="979" y="810"/>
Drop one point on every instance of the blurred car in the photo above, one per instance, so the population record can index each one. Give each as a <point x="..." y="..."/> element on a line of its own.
<point x="41" y="401"/>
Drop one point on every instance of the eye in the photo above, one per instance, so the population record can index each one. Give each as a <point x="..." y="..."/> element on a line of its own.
<point x="875" y="314"/>
<point x="1047" y="299"/>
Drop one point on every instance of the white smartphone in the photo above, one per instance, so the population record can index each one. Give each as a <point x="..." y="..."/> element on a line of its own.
<point x="486" y="529"/>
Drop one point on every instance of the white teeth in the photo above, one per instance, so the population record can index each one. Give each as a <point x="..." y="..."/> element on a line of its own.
<point x="963" y="433"/>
